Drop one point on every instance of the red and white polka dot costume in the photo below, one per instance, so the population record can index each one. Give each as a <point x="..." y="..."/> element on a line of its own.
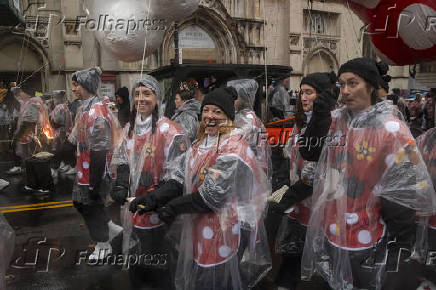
<point x="427" y="147"/>
<point x="234" y="186"/>
<point x="149" y="156"/>
<point x="379" y="159"/>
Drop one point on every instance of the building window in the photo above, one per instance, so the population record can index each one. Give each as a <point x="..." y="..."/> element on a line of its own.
<point x="427" y="68"/>
<point x="320" y="22"/>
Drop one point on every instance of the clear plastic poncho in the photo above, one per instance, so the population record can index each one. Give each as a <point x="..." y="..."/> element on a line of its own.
<point x="61" y="116"/>
<point x="292" y="232"/>
<point x="427" y="147"/>
<point x="226" y="248"/>
<point x="7" y="244"/>
<point x="96" y="128"/>
<point x="187" y="117"/>
<point x="369" y="156"/>
<point x="251" y="126"/>
<point x="246" y="89"/>
<point x="150" y="157"/>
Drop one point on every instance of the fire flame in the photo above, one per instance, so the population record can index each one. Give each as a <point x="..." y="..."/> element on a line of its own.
<point x="48" y="132"/>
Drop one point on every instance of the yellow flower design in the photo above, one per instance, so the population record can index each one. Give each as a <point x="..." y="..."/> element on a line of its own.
<point x="422" y="185"/>
<point x="399" y="157"/>
<point x="364" y="151"/>
<point x="149" y="150"/>
<point x="203" y="172"/>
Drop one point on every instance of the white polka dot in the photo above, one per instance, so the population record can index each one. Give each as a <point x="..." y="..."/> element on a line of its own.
<point x="392" y="126"/>
<point x="130" y="145"/>
<point x="164" y="127"/>
<point x="91" y="112"/>
<point x="191" y="163"/>
<point x="364" y="237"/>
<point x="85" y="164"/>
<point x="351" y="218"/>
<point x="250" y="116"/>
<point x="250" y="153"/>
<point x="235" y="229"/>
<point x="389" y="160"/>
<point x="166" y="150"/>
<point x="200" y="249"/>
<point x="224" y="251"/>
<point x="154" y="219"/>
<point x="332" y="229"/>
<point x="207" y="233"/>
<point x="79" y="174"/>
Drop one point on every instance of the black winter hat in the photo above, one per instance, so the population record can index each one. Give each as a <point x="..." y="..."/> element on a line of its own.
<point x="123" y="92"/>
<point x="383" y="69"/>
<point x="365" y="68"/>
<point x="320" y="81"/>
<point x="223" y="98"/>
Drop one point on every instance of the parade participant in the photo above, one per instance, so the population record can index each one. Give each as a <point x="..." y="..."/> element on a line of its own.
<point x="246" y="119"/>
<point x="94" y="133"/>
<point x="296" y="199"/>
<point x="123" y="105"/>
<point x="32" y="118"/>
<point x="367" y="189"/>
<point x="223" y="244"/>
<point x="60" y="118"/>
<point x="199" y="93"/>
<point x="428" y="110"/>
<point x="415" y="108"/>
<point x="427" y="147"/>
<point x="7" y="105"/>
<point x="150" y="146"/>
<point x="186" y="114"/>
<point x="279" y="100"/>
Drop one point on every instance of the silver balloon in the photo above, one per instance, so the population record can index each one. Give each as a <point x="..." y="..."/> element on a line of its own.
<point x="123" y="27"/>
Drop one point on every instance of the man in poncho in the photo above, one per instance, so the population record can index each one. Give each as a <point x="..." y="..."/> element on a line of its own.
<point x="368" y="188"/>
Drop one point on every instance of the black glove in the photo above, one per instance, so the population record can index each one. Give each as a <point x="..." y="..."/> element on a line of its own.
<point x="324" y="103"/>
<point x="190" y="203"/>
<point x="299" y="191"/>
<point x="119" y="194"/>
<point x="159" y="196"/>
<point x="317" y="128"/>
<point x="120" y="191"/>
<point x="142" y="204"/>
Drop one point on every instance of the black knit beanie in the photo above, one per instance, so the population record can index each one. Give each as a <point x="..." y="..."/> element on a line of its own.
<point x="364" y="67"/>
<point x="223" y="98"/>
<point x="320" y="81"/>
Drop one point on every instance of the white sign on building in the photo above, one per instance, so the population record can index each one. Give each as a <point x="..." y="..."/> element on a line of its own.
<point x="195" y="37"/>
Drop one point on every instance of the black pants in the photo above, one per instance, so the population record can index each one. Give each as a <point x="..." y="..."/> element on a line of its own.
<point x="156" y="259"/>
<point x="96" y="219"/>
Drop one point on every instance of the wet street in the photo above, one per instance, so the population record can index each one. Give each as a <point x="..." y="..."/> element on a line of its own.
<point x="52" y="239"/>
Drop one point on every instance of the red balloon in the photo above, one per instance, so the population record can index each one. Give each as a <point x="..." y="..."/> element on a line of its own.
<point x="403" y="32"/>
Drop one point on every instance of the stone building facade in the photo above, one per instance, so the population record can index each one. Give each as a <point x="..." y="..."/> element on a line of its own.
<point x="307" y="35"/>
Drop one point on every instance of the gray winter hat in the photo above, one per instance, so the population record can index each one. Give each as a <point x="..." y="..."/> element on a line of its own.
<point x="151" y="83"/>
<point x="59" y="95"/>
<point x="246" y="89"/>
<point x="89" y="79"/>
